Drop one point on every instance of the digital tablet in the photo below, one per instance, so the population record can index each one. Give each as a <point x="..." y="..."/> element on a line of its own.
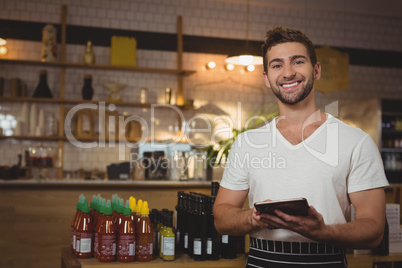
<point x="296" y="206"/>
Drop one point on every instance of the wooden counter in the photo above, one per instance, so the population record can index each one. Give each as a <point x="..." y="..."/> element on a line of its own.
<point x="69" y="260"/>
<point x="182" y="261"/>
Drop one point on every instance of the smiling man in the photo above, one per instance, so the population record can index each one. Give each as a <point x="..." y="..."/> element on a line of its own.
<point x="331" y="164"/>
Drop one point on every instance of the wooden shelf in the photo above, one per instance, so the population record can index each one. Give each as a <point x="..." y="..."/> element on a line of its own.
<point x="29" y="99"/>
<point x="178" y="71"/>
<point x="70" y="101"/>
<point x="81" y="139"/>
<point x="99" y="67"/>
<point x="391" y="132"/>
<point x="39" y="138"/>
<point x="391" y="150"/>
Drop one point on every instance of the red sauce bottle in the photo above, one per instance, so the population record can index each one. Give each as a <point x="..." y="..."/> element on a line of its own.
<point x="115" y="202"/>
<point x="74" y="222"/>
<point x="85" y="232"/>
<point x="92" y="212"/>
<point x="107" y="236"/>
<point x="133" y="207"/>
<point x="101" y="206"/>
<point x="126" y="237"/>
<point x="144" y="247"/>
<point x="119" y="211"/>
<point x="138" y="213"/>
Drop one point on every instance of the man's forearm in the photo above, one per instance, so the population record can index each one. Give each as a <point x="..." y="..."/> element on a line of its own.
<point x="362" y="233"/>
<point x="232" y="220"/>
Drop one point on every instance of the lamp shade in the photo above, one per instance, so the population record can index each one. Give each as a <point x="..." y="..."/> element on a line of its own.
<point x="2" y="42"/>
<point x="244" y="60"/>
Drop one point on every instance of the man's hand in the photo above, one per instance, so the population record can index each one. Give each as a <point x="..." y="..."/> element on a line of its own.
<point x="311" y="226"/>
<point x="258" y="220"/>
<point x="365" y="231"/>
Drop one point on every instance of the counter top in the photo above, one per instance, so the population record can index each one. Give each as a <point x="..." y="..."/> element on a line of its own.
<point x="69" y="260"/>
<point x="104" y="183"/>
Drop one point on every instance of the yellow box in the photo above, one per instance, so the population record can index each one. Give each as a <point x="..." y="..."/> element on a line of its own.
<point x="123" y="51"/>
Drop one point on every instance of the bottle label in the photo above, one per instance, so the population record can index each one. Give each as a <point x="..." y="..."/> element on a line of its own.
<point x="197" y="246"/>
<point x="168" y="246"/>
<point x="225" y="239"/>
<point x="145" y="249"/>
<point x="74" y="240"/>
<point x="126" y="245"/>
<point x="77" y="246"/>
<point x="107" y="245"/>
<point x="186" y="240"/>
<point x="72" y="237"/>
<point x="209" y="246"/>
<point x="86" y="242"/>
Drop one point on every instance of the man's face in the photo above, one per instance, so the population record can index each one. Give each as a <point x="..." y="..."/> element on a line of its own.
<point x="290" y="72"/>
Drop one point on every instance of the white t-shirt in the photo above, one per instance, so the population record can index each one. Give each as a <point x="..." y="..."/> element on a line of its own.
<point x="337" y="159"/>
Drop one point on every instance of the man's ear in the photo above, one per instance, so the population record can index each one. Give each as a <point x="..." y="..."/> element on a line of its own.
<point x="267" y="83"/>
<point x="317" y="71"/>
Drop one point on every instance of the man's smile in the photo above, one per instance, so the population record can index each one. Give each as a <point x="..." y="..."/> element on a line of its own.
<point x="290" y="85"/>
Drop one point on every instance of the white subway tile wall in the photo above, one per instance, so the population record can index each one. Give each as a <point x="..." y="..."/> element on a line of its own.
<point x="333" y="25"/>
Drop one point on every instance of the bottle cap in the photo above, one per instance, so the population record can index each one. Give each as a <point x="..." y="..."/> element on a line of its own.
<point x="85" y="208"/>
<point x="133" y="204"/>
<point x="145" y="209"/>
<point x="139" y="206"/>
<point x="114" y="202"/>
<point x="102" y="206"/>
<point x="119" y="205"/>
<point x="42" y="72"/>
<point x="78" y="206"/>
<point x="108" y="209"/>
<point x="126" y="209"/>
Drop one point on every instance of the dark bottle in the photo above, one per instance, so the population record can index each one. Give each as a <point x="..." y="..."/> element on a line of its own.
<point x="191" y="223"/>
<point x="213" y="237"/>
<point x="87" y="90"/>
<point x="179" y="221"/>
<point x="186" y="220"/>
<point x="214" y="188"/>
<point x="383" y="248"/>
<point x="42" y="90"/>
<point x="228" y="246"/>
<point x="200" y="224"/>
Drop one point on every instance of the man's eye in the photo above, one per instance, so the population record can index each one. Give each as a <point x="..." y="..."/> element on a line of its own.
<point x="276" y="66"/>
<point x="299" y="62"/>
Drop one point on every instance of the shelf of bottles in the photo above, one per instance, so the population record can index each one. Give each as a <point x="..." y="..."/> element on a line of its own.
<point x="391" y="149"/>
<point x="107" y="230"/>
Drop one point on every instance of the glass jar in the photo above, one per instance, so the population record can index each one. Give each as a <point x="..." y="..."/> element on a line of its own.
<point x="39" y="156"/>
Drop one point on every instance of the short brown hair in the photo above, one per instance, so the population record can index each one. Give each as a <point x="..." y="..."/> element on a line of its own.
<point x="279" y="35"/>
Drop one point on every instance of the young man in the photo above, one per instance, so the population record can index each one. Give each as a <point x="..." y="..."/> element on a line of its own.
<point x="302" y="153"/>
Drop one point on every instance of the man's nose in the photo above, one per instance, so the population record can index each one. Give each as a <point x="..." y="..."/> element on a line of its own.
<point x="288" y="71"/>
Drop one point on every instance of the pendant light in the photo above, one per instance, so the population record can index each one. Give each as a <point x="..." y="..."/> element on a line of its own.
<point x="245" y="58"/>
